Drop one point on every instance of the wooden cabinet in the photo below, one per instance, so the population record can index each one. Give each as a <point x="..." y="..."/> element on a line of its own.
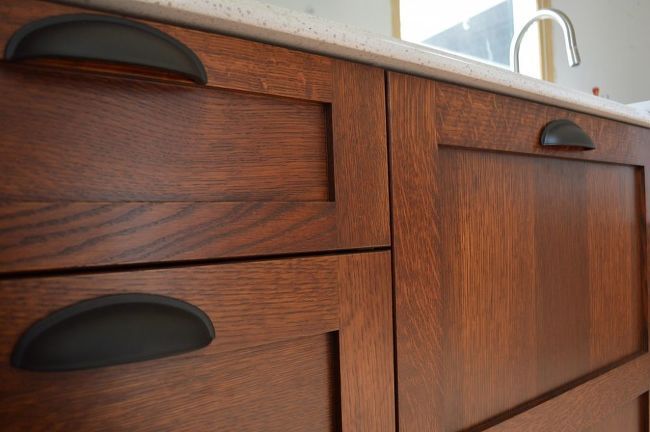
<point x="259" y="197"/>
<point x="300" y="345"/>
<point x="520" y="271"/>
<point x="258" y="193"/>
<point x="279" y="152"/>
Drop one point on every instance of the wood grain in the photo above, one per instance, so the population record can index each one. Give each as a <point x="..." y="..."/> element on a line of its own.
<point x="134" y="167"/>
<point x="272" y="366"/>
<point x="416" y="233"/>
<point x="541" y="264"/>
<point x="520" y="272"/>
<point x="230" y="62"/>
<point x="276" y="354"/>
<point x="479" y="119"/>
<point x="72" y="234"/>
<point x="360" y="155"/>
<point x="249" y="303"/>
<point x="631" y="417"/>
<point x="366" y="343"/>
<point x="585" y="405"/>
<point x="101" y="139"/>
<point x="286" y="386"/>
<point x="487" y="262"/>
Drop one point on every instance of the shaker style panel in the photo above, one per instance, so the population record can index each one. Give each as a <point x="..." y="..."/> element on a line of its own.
<point x="520" y="267"/>
<point x="284" y="354"/>
<point x="541" y="266"/>
<point x="74" y="137"/>
<point x="220" y="148"/>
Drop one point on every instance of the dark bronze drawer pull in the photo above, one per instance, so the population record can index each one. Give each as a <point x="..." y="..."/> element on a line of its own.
<point x="565" y="133"/>
<point x="106" y="39"/>
<point x="112" y="330"/>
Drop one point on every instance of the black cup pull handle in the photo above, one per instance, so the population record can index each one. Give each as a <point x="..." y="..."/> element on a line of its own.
<point x="110" y="330"/>
<point x="565" y="133"/>
<point x="106" y="39"/>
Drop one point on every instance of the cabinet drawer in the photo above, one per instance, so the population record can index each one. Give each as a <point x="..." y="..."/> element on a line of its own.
<point x="285" y="355"/>
<point x="479" y="119"/>
<point x="532" y="274"/>
<point x="78" y="137"/>
<point x="279" y="152"/>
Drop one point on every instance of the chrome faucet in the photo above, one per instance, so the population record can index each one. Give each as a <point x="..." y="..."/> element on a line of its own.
<point x="569" y="36"/>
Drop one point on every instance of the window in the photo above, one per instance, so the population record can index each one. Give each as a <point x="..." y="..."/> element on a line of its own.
<point x="479" y="29"/>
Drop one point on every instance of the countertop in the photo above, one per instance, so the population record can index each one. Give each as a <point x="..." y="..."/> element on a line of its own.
<point x="262" y="22"/>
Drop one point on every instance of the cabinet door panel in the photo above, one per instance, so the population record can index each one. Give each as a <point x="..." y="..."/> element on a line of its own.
<point x="540" y="271"/>
<point x="520" y="271"/>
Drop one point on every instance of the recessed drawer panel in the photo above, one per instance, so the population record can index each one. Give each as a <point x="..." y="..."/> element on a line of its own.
<point x="74" y="137"/>
<point x="287" y="386"/>
<point x="272" y="152"/>
<point x="285" y="354"/>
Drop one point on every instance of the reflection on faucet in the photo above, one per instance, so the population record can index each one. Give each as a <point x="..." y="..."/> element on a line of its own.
<point x="567" y="28"/>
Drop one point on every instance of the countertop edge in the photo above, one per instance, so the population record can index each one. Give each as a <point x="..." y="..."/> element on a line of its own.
<point x="267" y="23"/>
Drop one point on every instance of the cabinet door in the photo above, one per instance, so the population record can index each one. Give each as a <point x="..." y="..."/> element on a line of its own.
<point x="279" y="152"/>
<point x="520" y="270"/>
<point x="299" y="345"/>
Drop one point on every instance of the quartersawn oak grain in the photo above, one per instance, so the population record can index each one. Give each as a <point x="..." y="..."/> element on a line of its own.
<point x="230" y="62"/>
<point x="75" y="137"/>
<point x="541" y="262"/>
<point x="474" y="118"/>
<point x="250" y="303"/>
<point x="416" y="241"/>
<point x="286" y="151"/>
<point x="286" y="386"/>
<point x="366" y="343"/>
<point x="276" y="362"/>
<point x="360" y="154"/>
<point x="73" y="234"/>
<point x="272" y="365"/>
<point x="520" y="273"/>
<point x="630" y="417"/>
<point x="587" y="404"/>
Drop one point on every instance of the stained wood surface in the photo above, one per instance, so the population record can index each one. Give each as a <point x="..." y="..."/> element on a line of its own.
<point x="416" y="242"/>
<point x="541" y="266"/>
<point x="283" y="152"/>
<point x="249" y="303"/>
<point x="272" y="366"/>
<point x="360" y="159"/>
<point x="229" y="62"/>
<point x="72" y="234"/>
<point x="301" y="345"/>
<point x="479" y="119"/>
<point x="286" y="386"/>
<point x="520" y="272"/>
<point x="588" y="404"/>
<point x="366" y="343"/>
<point x="631" y="417"/>
<point x="76" y="137"/>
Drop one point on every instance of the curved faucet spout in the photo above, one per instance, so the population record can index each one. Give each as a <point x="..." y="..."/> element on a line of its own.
<point x="560" y="17"/>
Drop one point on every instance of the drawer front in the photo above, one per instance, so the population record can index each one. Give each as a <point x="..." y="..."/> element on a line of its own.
<point x="536" y="280"/>
<point x="102" y="164"/>
<point x="285" y="354"/>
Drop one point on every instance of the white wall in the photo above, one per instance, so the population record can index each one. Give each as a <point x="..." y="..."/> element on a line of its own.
<point x="614" y="41"/>
<point x="372" y="15"/>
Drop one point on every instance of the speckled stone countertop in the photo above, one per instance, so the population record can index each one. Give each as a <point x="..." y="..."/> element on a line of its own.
<point x="258" y="21"/>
